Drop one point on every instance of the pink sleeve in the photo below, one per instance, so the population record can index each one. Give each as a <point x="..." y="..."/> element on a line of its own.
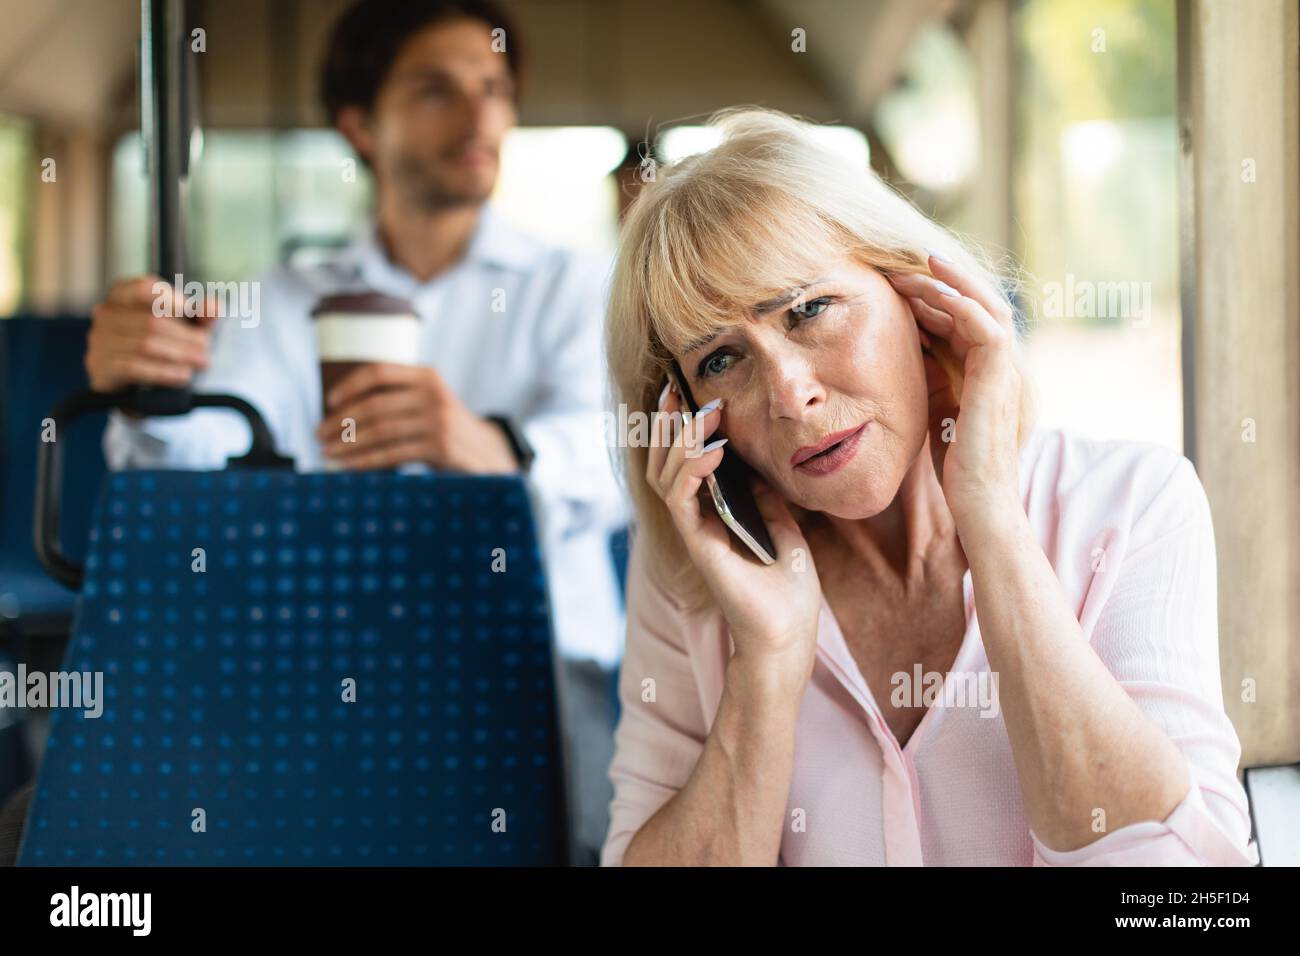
<point x="1158" y="635"/>
<point x="661" y="730"/>
<point x="1189" y="836"/>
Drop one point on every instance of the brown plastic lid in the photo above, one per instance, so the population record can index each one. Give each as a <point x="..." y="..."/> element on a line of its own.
<point x="361" y="302"/>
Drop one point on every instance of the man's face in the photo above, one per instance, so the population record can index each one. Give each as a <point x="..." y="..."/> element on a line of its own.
<point x="438" y="121"/>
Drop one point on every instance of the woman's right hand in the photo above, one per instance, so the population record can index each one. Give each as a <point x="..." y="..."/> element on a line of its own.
<point x="772" y="610"/>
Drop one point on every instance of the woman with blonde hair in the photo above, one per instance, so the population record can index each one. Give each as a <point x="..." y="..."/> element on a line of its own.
<point x="978" y="643"/>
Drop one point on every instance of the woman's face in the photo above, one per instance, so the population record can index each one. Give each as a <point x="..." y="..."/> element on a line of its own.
<point x="844" y="371"/>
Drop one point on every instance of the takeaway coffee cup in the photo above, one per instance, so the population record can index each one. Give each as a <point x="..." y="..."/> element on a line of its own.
<point x="354" y="328"/>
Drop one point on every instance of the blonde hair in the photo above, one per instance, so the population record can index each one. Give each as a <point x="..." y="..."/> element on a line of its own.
<point x="746" y="221"/>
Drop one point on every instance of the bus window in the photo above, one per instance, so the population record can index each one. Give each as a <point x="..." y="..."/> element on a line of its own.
<point x="16" y="189"/>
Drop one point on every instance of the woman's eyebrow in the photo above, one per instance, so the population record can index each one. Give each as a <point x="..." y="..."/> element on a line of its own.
<point x="780" y="301"/>
<point x="699" y="343"/>
<point x="761" y="309"/>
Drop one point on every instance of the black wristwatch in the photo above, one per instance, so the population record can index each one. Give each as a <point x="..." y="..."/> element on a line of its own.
<point x="524" y="453"/>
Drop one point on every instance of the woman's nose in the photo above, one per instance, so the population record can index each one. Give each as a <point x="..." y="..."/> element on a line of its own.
<point x="792" y="386"/>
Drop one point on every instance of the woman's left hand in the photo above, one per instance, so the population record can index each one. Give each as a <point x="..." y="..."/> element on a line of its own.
<point x="979" y="465"/>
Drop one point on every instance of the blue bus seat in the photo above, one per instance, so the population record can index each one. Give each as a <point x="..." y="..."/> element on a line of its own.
<point x="619" y="548"/>
<point x="41" y="363"/>
<point x="225" y="671"/>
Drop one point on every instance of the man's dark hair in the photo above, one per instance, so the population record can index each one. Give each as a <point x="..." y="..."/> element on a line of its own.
<point x="367" y="37"/>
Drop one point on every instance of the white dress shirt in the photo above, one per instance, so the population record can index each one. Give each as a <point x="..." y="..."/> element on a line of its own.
<point x="514" y="328"/>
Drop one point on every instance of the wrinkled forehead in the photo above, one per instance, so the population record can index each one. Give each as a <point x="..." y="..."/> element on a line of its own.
<point x="707" y="275"/>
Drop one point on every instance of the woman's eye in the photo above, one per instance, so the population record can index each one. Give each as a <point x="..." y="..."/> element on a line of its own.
<point x="812" y="308"/>
<point x="715" y="364"/>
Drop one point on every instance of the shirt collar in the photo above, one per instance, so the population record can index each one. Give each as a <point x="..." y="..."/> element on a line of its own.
<point x="494" y="243"/>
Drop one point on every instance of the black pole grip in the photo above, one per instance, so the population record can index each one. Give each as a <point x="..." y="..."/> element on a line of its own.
<point x="166" y="81"/>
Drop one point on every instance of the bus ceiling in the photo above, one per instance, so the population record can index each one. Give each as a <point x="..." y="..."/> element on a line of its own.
<point x="614" y="62"/>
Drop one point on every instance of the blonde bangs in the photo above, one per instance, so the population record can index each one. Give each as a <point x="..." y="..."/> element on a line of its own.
<point x="713" y="253"/>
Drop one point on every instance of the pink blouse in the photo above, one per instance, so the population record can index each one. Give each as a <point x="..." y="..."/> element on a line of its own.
<point x="1135" y="513"/>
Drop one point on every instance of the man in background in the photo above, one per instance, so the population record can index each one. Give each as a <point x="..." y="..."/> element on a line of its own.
<point x="510" y="372"/>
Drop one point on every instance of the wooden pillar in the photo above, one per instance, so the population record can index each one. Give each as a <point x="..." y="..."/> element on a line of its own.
<point x="66" y="271"/>
<point x="990" y="41"/>
<point x="1239" y="104"/>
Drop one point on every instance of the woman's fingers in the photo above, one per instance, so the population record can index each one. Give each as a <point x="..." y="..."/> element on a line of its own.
<point x="682" y="495"/>
<point x="690" y="461"/>
<point x="679" y="467"/>
<point x="700" y="428"/>
<point x="688" y="445"/>
<point x="972" y="324"/>
<point x="680" y="439"/>
<point x="661" y="436"/>
<point x="973" y="287"/>
<point x="666" y="424"/>
<point x="940" y="323"/>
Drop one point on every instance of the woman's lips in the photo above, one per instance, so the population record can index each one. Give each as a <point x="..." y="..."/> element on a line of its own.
<point x="838" y="452"/>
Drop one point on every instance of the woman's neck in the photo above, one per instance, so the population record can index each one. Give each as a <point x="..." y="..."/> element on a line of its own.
<point x="900" y="542"/>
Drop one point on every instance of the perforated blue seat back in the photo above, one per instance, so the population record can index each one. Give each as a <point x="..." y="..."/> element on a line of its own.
<point x="224" y="682"/>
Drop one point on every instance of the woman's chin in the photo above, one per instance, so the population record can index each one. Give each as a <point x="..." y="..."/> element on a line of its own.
<point x="846" y="496"/>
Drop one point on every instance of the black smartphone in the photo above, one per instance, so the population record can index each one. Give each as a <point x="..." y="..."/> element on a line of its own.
<point x="730" y="489"/>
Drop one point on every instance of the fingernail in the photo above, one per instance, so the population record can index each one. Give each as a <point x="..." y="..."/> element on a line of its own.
<point x="709" y="408"/>
<point x="946" y="289"/>
<point x="712" y="445"/>
<point x="937" y="255"/>
<point x="663" y="396"/>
